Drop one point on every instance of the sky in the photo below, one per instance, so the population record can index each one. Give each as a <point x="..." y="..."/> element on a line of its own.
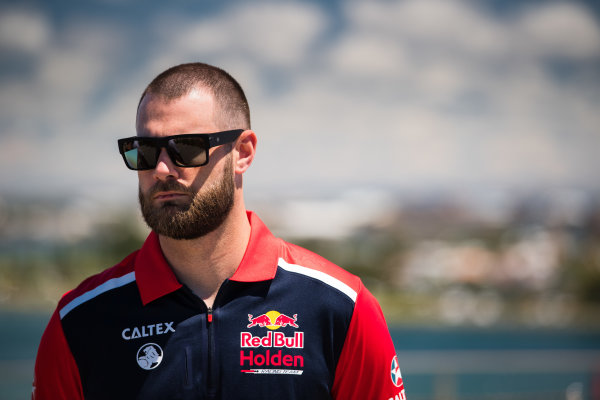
<point x="408" y="95"/>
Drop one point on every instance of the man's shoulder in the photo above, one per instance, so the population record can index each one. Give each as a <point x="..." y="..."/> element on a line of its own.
<point x="300" y="257"/>
<point x="121" y="273"/>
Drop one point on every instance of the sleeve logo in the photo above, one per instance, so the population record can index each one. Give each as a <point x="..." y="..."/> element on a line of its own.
<point x="395" y="372"/>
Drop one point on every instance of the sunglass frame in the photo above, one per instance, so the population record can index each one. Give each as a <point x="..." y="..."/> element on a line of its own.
<point x="210" y="140"/>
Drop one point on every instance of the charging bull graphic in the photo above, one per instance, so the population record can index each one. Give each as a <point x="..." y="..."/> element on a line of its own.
<point x="283" y="320"/>
<point x="273" y="320"/>
<point x="262" y="320"/>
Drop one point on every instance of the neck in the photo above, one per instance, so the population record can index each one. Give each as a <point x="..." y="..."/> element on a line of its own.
<point x="203" y="264"/>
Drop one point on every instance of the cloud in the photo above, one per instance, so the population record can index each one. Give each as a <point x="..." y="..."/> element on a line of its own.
<point x="474" y="91"/>
<point x="23" y="30"/>
<point x="414" y="93"/>
<point x="266" y="33"/>
<point x="560" y="30"/>
<point x="49" y="110"/>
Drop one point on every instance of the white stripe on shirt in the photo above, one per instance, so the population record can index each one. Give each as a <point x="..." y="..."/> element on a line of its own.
<point x="105" y="287"/>
<point x="321" y="276"/>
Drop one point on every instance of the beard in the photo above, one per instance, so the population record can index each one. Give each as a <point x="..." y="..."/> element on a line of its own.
<point x="202" y="214"/>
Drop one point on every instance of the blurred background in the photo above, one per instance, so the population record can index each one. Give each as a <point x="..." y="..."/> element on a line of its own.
<point x="445" y="151"/>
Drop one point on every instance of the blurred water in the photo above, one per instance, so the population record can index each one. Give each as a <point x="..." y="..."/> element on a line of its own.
<point x="437" y="363"/>
<point x="20" y="334"/>
<point x="499" y="363"/>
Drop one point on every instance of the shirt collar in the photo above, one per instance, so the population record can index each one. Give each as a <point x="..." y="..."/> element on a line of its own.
<point x="155" y="278"/>
<point x="260" y="260"/>
<point x="153" y="275"/>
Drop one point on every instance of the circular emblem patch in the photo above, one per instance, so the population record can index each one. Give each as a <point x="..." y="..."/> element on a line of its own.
<point x="395" y="372"/>
<point x="149" y="356"/>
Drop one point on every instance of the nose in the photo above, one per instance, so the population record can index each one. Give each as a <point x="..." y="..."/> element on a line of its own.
<point x="164" y="166"/>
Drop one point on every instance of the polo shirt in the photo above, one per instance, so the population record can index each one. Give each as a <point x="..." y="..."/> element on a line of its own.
<point x="288" y="324"/>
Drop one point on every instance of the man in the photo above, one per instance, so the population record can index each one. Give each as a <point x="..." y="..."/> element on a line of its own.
<point x="213" y="306"/>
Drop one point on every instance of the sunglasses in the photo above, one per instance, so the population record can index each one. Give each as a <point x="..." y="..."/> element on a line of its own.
<point x="189" y="150"/>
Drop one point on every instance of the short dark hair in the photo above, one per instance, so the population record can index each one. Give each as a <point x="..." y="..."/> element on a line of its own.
<point x="232" y="110"/>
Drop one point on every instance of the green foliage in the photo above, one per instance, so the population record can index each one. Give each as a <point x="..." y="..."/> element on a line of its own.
<point x="37" y="274"/>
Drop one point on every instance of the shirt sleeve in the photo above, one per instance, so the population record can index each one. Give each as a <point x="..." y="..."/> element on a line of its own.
<point x="56" y="375"/>
<point x="368" y="366"/>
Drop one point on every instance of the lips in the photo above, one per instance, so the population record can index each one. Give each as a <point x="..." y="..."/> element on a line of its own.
<point x="165" y="196"/>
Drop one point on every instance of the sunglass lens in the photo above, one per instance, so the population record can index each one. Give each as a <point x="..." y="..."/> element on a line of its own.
<point x="140" y="156"/>
<point x="188" y="152"/>
<point x="131" y="157"/>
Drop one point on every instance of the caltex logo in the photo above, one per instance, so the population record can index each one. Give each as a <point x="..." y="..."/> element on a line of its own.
<point x="395" y="372"/>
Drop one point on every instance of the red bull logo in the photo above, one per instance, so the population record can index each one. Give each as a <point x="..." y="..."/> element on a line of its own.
<point x="274" y="351"/>
<point x="272" y="320"/>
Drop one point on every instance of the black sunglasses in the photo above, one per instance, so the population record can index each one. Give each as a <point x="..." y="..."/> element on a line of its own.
<point x="189" y="150"/>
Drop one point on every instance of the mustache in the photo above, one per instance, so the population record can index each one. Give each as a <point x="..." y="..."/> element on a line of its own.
<point x="167" y="186"/>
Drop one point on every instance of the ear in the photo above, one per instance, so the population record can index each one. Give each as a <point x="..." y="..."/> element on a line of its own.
<point x="245" y="149"/>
